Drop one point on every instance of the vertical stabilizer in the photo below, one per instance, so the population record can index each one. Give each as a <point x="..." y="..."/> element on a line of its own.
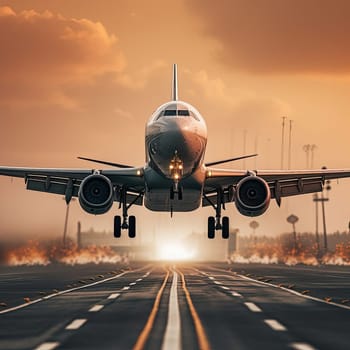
<point x="174" y="94"/>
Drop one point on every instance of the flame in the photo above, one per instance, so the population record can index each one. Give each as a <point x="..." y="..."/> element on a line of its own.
<point x="30" y="254"/>
<point x="282" y="251"/>
<point x="35" y="253"/>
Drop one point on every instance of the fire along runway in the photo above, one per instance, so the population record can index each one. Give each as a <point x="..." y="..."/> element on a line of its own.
<point x="174" y="306"/>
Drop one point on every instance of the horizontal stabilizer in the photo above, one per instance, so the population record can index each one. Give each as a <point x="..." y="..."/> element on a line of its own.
<point x="230" y="160"/>
<point x="106" y="163"/>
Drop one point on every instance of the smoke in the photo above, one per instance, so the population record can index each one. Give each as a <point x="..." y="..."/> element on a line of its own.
<point x="45" y="253"/>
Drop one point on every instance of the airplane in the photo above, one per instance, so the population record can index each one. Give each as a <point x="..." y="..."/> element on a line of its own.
<point x="175" y="177"/>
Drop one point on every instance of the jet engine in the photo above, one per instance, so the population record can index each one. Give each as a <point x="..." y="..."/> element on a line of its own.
<point x="252" y="196"/>
<point x="96" y="194"/>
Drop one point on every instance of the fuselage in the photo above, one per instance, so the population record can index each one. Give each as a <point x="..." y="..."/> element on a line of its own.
<point x="176" y="138"/>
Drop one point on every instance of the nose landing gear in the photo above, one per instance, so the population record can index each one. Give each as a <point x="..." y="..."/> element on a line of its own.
<point x="176" y="189"/>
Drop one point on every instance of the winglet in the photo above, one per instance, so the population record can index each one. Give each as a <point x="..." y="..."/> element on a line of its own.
<point x="174" y="94"/>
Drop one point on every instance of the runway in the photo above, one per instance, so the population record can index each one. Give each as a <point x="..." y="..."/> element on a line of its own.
<point x="174" y="306"/>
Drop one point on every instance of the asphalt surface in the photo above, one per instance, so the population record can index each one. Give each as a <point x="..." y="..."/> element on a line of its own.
<point x="174" y="306"/>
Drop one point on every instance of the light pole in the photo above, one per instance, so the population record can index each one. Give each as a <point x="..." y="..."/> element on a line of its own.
<point x="282" y="140"/>
<point x="293" y="219"/>
<point x="316" y="200"/>
<point x="244" y="146"/>
<point x="254" y="225"/>
<point x="66" y="223"/>
<point x="312" y="150"/>
<point x="306" y="149"/>
<point x="324" y="199"/>
<point x="290" y="145"/>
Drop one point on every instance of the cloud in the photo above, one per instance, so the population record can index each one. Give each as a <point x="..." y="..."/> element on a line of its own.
<point x="273" y="36"/>
<point x="43" y="52"/>
<point x="245" y="107"/>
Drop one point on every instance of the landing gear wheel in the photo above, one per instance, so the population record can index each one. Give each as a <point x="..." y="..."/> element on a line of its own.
<point x="225" y="227"/>
<point x="211" y="227"/>
<point x="132" y="226"/>
<point x="117" y="226"/>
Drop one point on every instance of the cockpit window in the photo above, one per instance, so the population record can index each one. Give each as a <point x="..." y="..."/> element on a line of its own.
<point x="175" y="112"/>
<point x="176" y="109"/>
<point x="170" y="112"/>
<point x="183" y="113"/>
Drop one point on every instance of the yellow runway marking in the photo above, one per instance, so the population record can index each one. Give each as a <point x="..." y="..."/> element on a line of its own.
<point x="203" y="342"/>
<point x="142" y="339"/>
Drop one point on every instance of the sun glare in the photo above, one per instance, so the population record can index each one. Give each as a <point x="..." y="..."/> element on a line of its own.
<point x="175" y="251"/>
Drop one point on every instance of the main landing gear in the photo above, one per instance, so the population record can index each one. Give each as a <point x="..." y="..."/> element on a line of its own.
<point x="126" y="222"/>
<point x="215" y="223"/>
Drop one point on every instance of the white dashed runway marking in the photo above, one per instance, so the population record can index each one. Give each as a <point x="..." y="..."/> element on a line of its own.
<point x="48" y="346"/>
<point x="301" y="346"/>
<point x="252" y="307"/>
<point x="113" y="296"/>
<point x="96" y="308"/>
<point x="275" y="325"/>
<point x="76" y="324"/>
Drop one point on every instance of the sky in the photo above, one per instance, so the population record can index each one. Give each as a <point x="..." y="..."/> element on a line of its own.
<point x="82" y="78"/>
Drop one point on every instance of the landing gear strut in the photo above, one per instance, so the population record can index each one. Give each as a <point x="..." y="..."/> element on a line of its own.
<point x="176" y="189"/>
<point x="129" y="222"/>
<point x="215" y="223"/>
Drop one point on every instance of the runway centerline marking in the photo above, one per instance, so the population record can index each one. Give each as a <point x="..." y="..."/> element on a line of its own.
<point x="48" y="346"/>
<point x="275" y="325"/>
<point x="76" y="324"/>
<point x="252" y="307"/>
<point x="114" y="296"/>
<point x="172" y="336"/>
<point x="216" y="282"/>
<point x="142" y="339"/>
<point x="301" y="346"/>
<point x="139" y="280"/>
<point x="235" y="294"/>
<point x="132" y="283"/>
<point x="96" y="308"/>
<point x="203" y="342"/>
<point x="126" y="288"/>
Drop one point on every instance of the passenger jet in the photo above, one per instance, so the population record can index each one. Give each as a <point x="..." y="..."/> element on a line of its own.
<point x="175" y="177"/>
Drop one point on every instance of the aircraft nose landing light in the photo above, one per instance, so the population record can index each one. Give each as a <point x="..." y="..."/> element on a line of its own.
<point x="176" y="168"/>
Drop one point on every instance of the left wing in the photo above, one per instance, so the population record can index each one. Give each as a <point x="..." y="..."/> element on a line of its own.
<point x="282" y="183"/>
<point x="67" y="181"/>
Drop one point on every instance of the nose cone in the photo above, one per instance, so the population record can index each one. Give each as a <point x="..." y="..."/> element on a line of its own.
<point x="178" y="140"/>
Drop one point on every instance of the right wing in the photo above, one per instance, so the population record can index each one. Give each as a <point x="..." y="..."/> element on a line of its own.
<point x="282" y="183"/>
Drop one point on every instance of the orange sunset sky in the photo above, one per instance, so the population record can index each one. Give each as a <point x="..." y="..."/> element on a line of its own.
<point x="81" y="78"/>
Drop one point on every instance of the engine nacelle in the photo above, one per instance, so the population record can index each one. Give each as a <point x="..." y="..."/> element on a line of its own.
<point x="252" y="196"/>
<point x="96" y="194"/>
